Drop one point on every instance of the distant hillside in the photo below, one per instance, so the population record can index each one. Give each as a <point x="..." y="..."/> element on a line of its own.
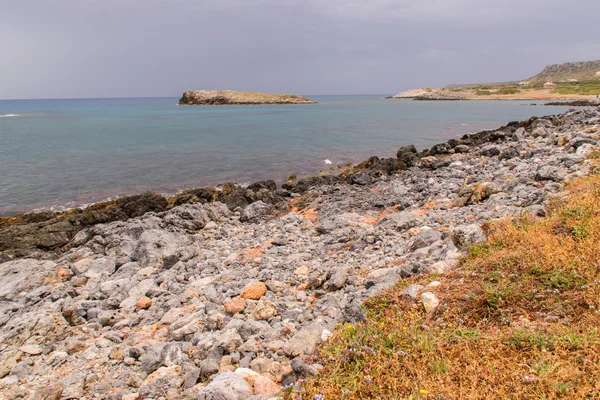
<point x="581" y="71"/>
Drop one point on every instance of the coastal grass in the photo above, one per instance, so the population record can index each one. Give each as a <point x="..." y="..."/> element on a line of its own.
<point x="591" y="88"/>
<point x="519" y="319"/>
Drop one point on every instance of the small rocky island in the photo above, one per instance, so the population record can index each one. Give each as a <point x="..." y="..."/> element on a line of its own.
<point x="230" y="97"/>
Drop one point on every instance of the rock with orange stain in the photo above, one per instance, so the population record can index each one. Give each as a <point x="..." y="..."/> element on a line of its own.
<point x="63" y="273"/>
<point x="256" y="252"/>
<point x="254" y="291"/>
<point x="235" y="306"/>
<point x="143" y="303"/>
<point x="264" y="386"/>
<point x="303" y="270"/>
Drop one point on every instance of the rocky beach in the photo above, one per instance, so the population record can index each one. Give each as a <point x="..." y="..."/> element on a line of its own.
<point x="227" y="292"/>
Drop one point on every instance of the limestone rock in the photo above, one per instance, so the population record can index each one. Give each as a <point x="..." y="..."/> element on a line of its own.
<point x="264" y="310"/>
<point x="226" y="386"/>
<point x="430" y="301"/>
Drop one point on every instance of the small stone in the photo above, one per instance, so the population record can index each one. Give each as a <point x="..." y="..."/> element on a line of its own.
<point x="235" y="306"/>
<point x="211" y="226"/>
<point x="32" y="349"/>
<point x="430" y="301"/>
<point x="303" y="270"/>
<point x="264" y="310"/>
<point x="52" y="392"/>
<point x="146" y="271"/>
<point x="433" y="284"/>
<point x="143" y="303"/>
<point x="265" y="386"/>
<point x="254" y="291"/>
<point x="413" y="290"/>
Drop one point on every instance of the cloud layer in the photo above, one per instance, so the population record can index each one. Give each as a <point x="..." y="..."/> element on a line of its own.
<point x="110" y="48"/>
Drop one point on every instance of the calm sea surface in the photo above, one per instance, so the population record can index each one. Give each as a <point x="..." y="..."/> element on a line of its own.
<point x="72" y="152"/>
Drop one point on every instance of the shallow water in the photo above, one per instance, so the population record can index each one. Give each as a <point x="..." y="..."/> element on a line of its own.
<point x="71" y="152"/>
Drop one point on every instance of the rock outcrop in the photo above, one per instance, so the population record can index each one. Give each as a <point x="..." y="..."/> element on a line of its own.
<point x="230" y="97"/>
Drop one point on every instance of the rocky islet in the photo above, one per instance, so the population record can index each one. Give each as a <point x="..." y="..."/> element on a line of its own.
<point x="226" y="293"/>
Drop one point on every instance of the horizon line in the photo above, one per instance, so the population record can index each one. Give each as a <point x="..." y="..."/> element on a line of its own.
<point x="164" y="97"/>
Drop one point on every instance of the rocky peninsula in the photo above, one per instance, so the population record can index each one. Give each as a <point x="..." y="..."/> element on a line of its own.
<point x="574" y="81"/>
<point x="230" y="97"/>
<point x="226" y="293"/>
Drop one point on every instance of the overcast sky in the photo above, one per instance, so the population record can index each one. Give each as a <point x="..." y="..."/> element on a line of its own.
<point x="127" y="48"/>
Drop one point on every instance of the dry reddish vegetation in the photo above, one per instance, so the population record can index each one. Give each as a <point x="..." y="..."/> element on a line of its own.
<point x="519" y="319"/>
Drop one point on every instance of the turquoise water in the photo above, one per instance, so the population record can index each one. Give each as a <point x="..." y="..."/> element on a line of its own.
<point x="71" y="152"/>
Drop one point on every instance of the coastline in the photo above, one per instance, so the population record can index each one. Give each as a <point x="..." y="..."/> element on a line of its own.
<point x="184" y="296"/>
<point x="448" y="94"/>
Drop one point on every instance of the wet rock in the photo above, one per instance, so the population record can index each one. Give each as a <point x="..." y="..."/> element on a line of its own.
<point x="408" y="155"/>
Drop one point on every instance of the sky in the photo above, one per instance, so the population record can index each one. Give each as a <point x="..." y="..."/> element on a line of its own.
<point x="147" y="48"/>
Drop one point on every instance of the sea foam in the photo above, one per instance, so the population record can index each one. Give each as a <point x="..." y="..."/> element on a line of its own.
<point x="9" y="115"/>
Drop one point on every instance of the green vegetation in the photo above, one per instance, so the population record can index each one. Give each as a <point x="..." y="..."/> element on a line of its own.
<point x="508" y="90"/>
<point x="483" y="93"/>
<point x="518" y="320"/>
<point x="584" y="88"/>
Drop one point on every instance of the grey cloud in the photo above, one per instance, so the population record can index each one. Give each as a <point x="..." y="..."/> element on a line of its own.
<point x="88" y="48"/>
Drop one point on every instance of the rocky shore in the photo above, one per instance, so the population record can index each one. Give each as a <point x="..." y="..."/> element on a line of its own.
<point x="230" y="97"/>
<point x="225" y="293"/>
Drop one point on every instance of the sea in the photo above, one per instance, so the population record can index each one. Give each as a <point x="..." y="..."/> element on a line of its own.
<point x="58" y="154"/>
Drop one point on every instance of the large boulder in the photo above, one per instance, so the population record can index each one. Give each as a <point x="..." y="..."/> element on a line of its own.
<point x="407" y="155"/>
<point x="226" y="386"/>
<point x="22" y="275"/>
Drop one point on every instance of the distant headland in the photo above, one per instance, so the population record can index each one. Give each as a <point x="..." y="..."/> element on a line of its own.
<point x="230" y="97"/>
<point x="578" y="81"/>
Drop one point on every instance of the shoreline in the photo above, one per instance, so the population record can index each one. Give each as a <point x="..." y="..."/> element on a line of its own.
<point x="187" y="296"/>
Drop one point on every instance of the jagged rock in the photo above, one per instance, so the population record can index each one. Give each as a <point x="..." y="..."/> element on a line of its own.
<point x="407" y="155"/>
<point x="255" y="210"/>
<point x="254" y="291"/>
<point x="20" y="275"/>
<point x="264" y="310"/>
<point x="52" y="392"/>
<point x="468" y="234"/>
<point x="475" y="193"/>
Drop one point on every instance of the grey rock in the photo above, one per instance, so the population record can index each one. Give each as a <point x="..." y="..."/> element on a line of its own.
<point x="255" y="211"/>
<point x="152" y="359"/>
<point x="301" y="368"/>
<point x="468" y="234"/>
<point x="22" y="275"/>
<point x="226" y="386"/>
